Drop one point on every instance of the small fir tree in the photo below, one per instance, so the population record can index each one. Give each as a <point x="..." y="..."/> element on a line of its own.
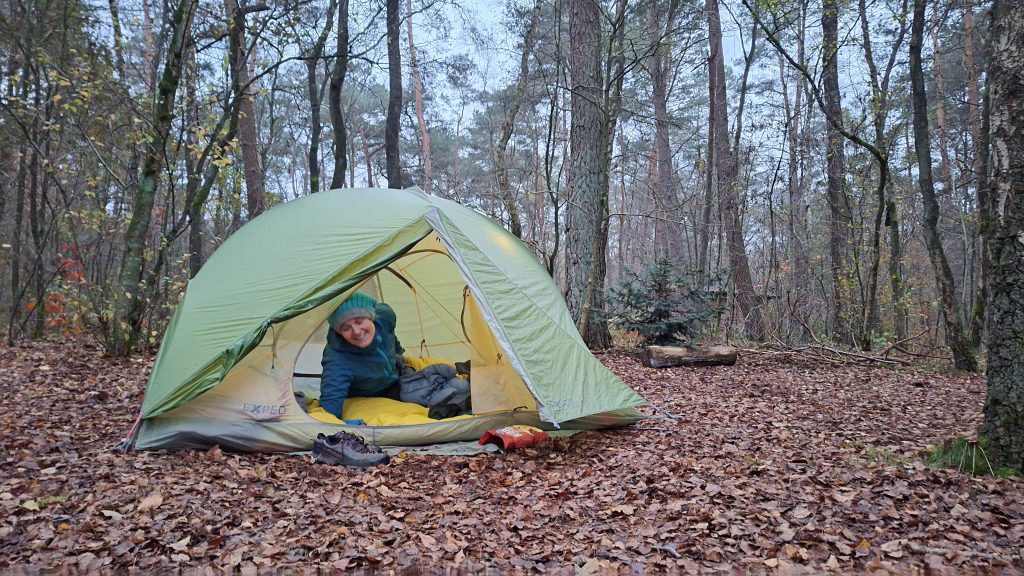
<point x="663" y="307"/>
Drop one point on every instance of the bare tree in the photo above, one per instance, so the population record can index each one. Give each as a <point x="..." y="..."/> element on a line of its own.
<point x="417" y="92"/>
<point x="963" y="356"/>
<point x="391" y="127"/>
<point x="338" y="74"/>
<point x="501" y="151"/>
<point x="128" y="306"/>
<point x="666" y="232"/>
<point x="242" y="88"/>
<point x="725" y="168"/>
<point x="841" y="219"/>
<point x="885" y="205"/>
<point x="800" y="273"/>
<point x="314" y="92"/>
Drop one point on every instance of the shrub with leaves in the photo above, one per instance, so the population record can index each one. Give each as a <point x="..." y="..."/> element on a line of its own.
<point x="663" y="306"/>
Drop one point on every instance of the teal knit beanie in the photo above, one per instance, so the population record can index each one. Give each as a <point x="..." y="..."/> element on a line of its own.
<point x="358" y="305"/>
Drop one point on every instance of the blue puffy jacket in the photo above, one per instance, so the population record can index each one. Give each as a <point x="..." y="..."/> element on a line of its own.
<point x="352" y="371"/>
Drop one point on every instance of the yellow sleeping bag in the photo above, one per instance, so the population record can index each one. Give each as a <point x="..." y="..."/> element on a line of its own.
<point x="384" y="411"/>
<point x="377" y="412"/>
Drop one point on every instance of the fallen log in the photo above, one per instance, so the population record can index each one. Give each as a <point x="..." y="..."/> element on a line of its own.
<point x="666" y="356"/>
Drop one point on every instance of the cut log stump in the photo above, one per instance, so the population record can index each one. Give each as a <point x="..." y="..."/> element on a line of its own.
<point x="666" y="356"/>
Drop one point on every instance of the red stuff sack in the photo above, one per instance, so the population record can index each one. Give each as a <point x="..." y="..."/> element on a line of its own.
<point x="513" y="437"/>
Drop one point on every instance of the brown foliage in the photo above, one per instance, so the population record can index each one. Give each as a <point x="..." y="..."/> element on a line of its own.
<point x="772" y="465"/>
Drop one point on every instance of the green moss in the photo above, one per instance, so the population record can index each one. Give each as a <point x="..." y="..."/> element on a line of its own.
<point x="966" y="455"/>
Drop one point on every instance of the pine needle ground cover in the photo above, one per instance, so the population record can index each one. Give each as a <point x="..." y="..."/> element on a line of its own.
<point x="772" y="465"/>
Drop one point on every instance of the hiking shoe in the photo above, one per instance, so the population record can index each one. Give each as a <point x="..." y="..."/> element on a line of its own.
<point x="347" y="449"/>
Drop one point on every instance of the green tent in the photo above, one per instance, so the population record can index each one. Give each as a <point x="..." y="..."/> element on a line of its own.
<point x="249" y="331"/>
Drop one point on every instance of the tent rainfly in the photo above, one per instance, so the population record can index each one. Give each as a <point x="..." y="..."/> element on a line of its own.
<point x="250" y="329"/>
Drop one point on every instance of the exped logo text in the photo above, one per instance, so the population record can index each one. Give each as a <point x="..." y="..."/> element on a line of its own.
<point x="264" y="411"/>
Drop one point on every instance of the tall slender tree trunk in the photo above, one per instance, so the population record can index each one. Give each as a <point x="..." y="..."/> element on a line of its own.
<point x="115" y="28"/>
<point x="726" y="171"/>
<point x="315" y="94"/>
<point x="19" y="210"/>
<point x="149" y="43"/>
<point x="417" y="92"/>
<point x="879" y="110"/>
<point x="128" y="304"/>
<point x="704" y="232"/>
<point x="371" y="180"/>
<point x="1004" y="407"/>
<point x="949" y="185"/>
<point x="940" y="109"/>
<point x="799" y="273"/>
<point x="334" y="99"/>
<point x="508" y="198"/>
<point x="979" y="138"/>
<point x="840" y="216"/>
<point x="391" y="123"/>
<point x="587" y="188"/>
<point x="666" y="232"/>
<point x="195" y="210"/>
<point x="248" y="136"/>
<point x="963" y="356"/>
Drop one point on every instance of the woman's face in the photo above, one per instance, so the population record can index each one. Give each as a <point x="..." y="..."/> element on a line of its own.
<point x="358" y="332"/>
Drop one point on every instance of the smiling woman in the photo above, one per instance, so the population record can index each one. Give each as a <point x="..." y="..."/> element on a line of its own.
<point x="361" y="352"/>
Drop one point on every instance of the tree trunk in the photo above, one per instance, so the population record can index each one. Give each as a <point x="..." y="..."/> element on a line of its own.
<point x="242" y="89"/>
<point x="613" y="107"/>
<point x="979" y="136"/>
<point x="128" y="306"/>
<point x="501" y="153"/>
<point x="334" y="99"/>
<point x="799" y="273"/>
<point x="1004" y="407"/>
<point x="115" y="27"/>
<point x="726" y="172"/>
<point x="315" y="95"/>
<point x="963" y="356"/>
<point x="371" y="181"/>
<point x="19" y="215"/>
<point x="391" y="125"/>
<point x="666" y="231"/>
<point x="940" y="109"/>
<point x="707" y="206"/>
<point x="668" y="356"/>
<point x="19" y="209"/>
<point x="871" y="325"/>
<point x="587" y="187"/>
<point x="949" y="186"/>
<point x="195" y="210"/>
<point x="841" y="220"/>
<point x="150" y="45"/>
<point x="417" y="91"/>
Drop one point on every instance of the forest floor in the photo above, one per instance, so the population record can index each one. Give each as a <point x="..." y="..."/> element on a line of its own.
<point x="773" y="465"/>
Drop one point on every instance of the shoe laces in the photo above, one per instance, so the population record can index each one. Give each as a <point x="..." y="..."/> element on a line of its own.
<point x="356" y="443"/>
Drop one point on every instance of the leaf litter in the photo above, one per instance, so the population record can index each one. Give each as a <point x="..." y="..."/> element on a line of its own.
<point x="774" y="465"/>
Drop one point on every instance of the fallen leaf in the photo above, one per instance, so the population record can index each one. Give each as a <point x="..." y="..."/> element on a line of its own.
<point x="151" y="502"/>
<point x="863" y="547"/>
<point x="112" y="514"/>
<point x="181" y="545"/>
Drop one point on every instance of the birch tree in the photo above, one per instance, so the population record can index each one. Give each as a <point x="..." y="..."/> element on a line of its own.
<point x="1004" y="408"/>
